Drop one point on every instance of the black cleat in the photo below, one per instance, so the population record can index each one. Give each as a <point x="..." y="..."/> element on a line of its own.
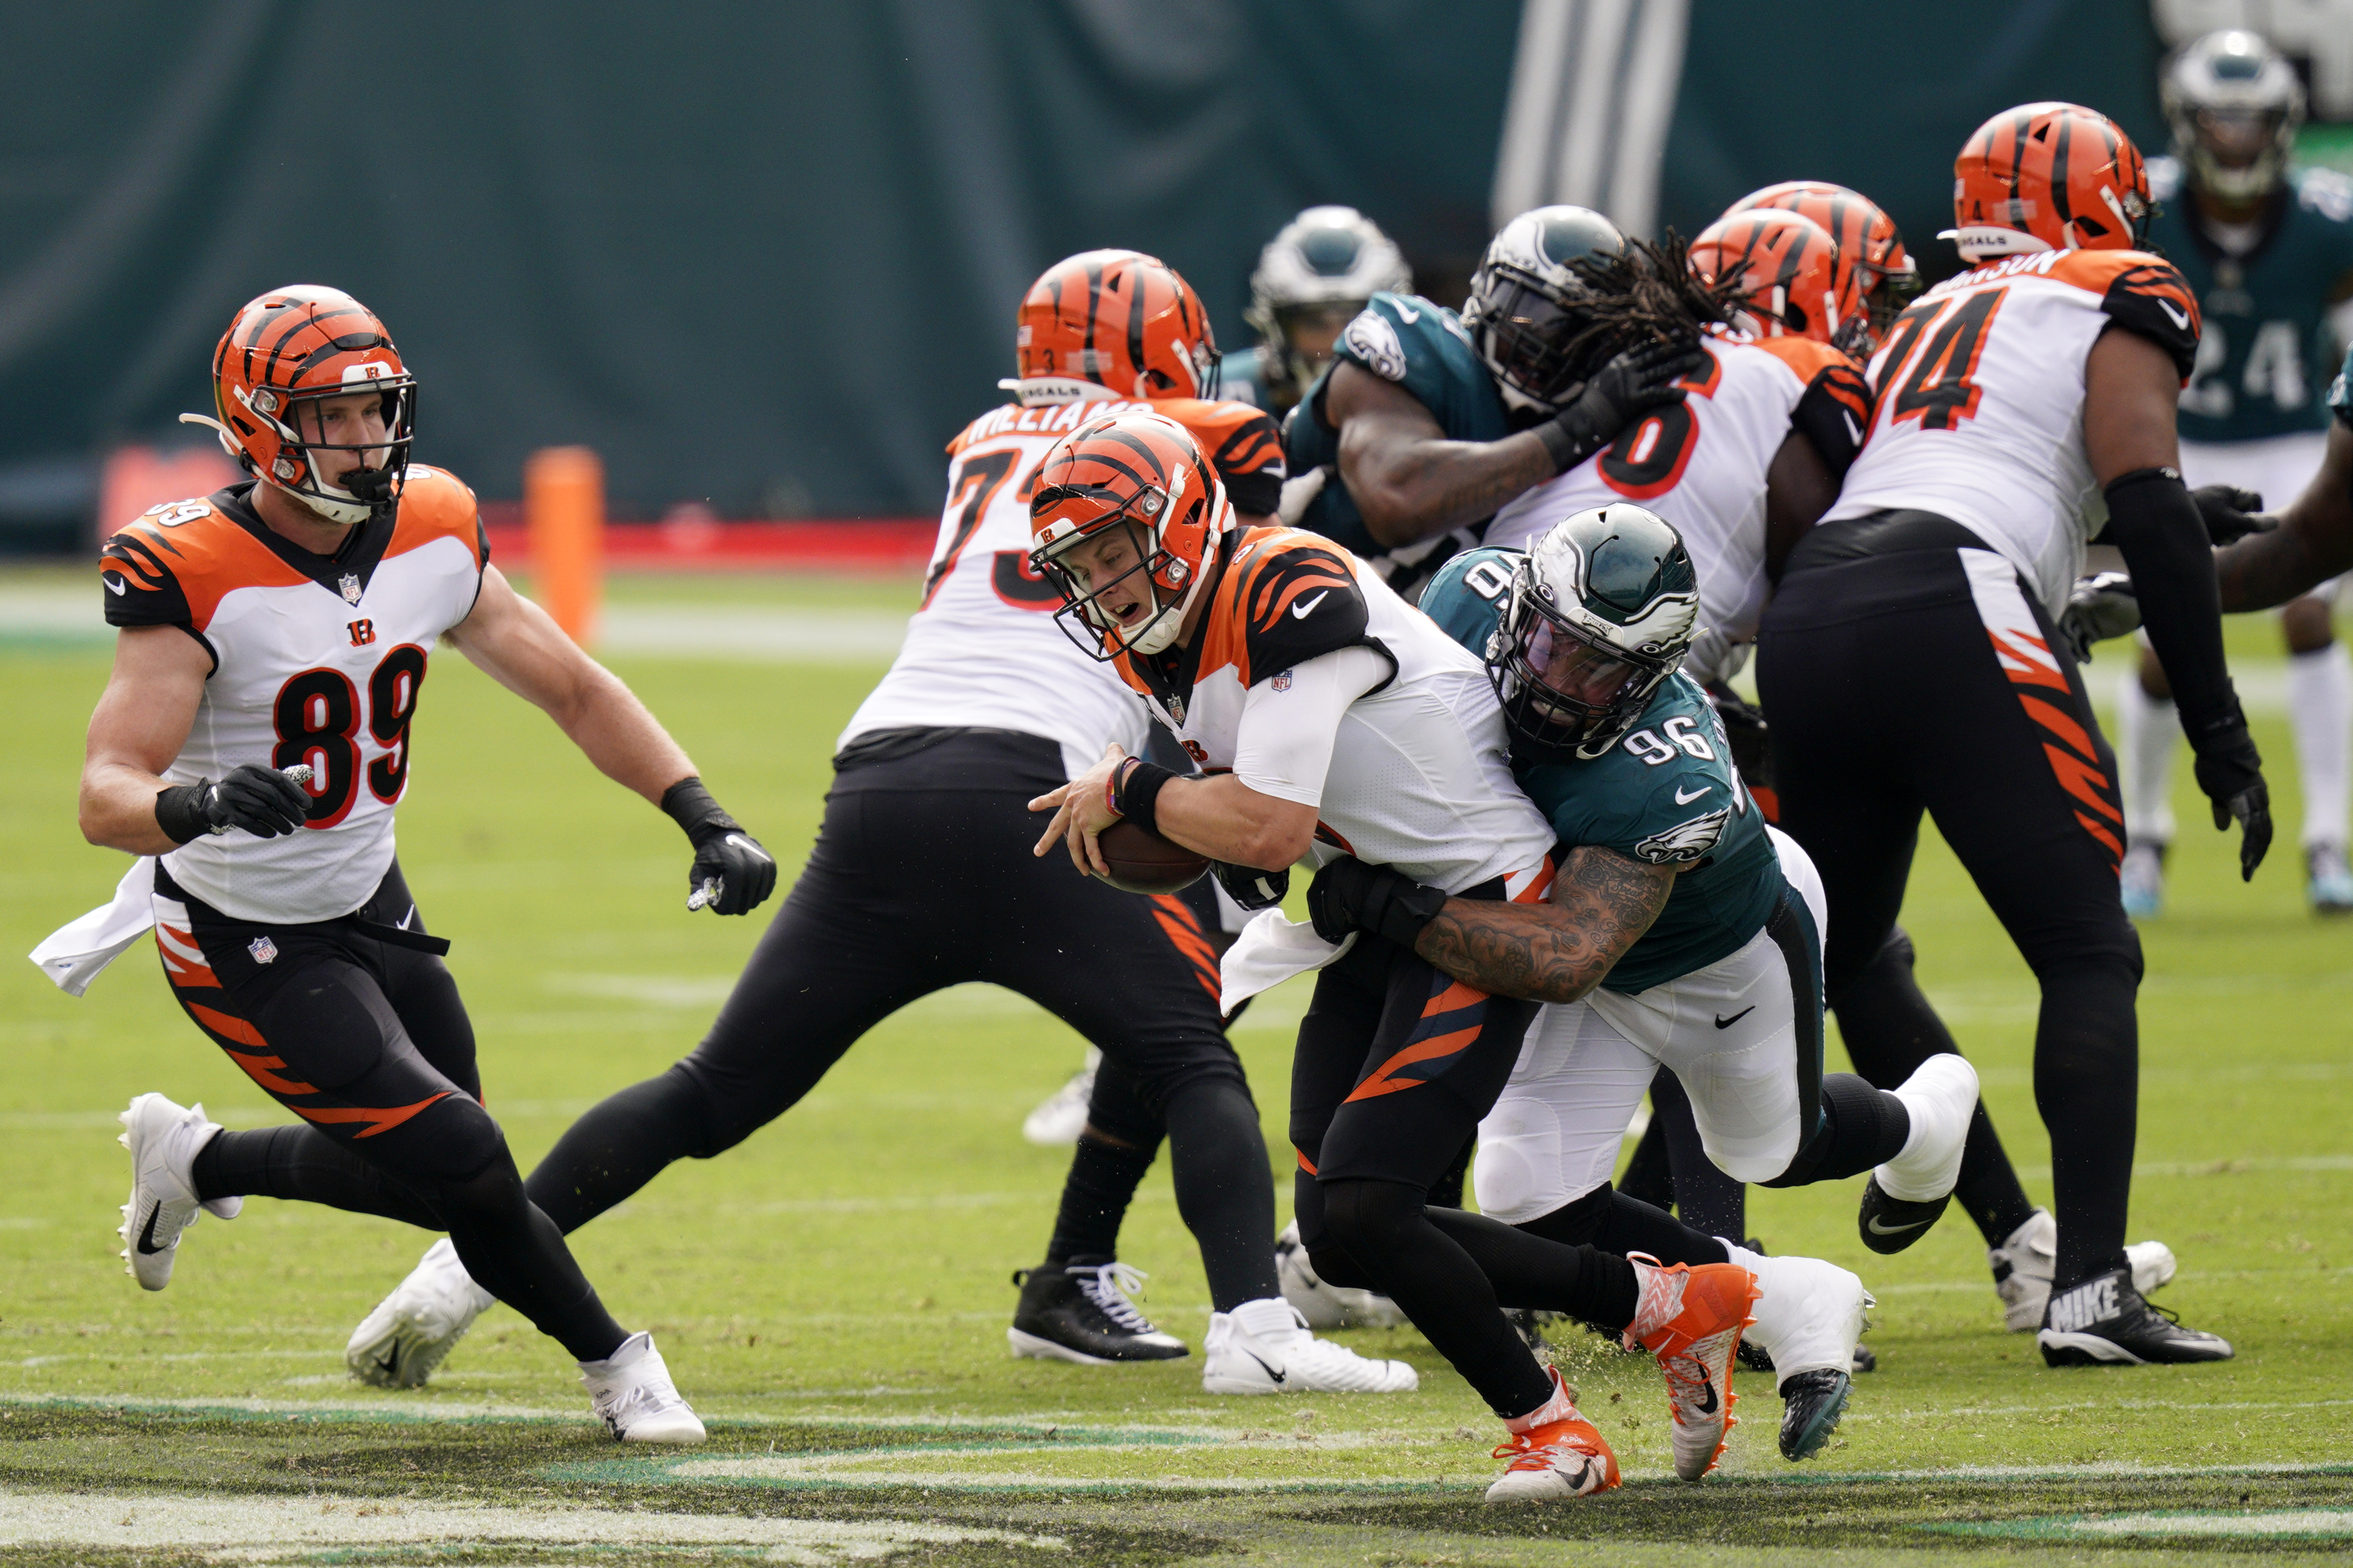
<point x="1080" y="1312"/>
<point x="1811" y="1404"/>
<point x="2104" y="1321"/>
<point x="1891" y="1224"/>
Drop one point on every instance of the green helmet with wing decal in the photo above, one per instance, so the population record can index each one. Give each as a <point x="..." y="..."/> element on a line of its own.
<point x="1601" y="610"/>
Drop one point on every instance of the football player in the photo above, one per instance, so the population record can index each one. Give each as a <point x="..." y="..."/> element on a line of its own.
<point x="986" y="704"/>
<point x="1683" y="933"/>
<point x="1909" y="661"/>
<point x="2269" y="249"/>
<point x="2314" y="541"/>
<point x="1315" y="275"/>
<point x="1871" y="253"/>
<point x="1326" y="715"/>
<point x="1427" y="422"/>
<point x="251" y="745"/>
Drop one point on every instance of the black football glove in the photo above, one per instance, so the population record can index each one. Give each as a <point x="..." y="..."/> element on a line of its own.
<point x="2100" y="606"/>
<point x="732" y="874"/>
<point x="2230" y="771"/>
<point x="262" y="801"/>
<point x="1348" y="895"/>
<point x="1643" y="377"/>
<point x="1249" y="886"/>
<point x="2230" y="513"/>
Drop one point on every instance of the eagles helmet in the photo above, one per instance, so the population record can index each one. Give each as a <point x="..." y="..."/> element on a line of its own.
<point x="1600" y="612"/>
<point x="1524" y="311"/>
<point x="2234" y="104"/>
<point x="1316" y="273"/>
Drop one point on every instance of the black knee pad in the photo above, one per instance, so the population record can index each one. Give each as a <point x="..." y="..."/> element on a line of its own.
<point x="449" y="1143"/>
<point x="1336" y="1268"/>
<point x="1369" y="1218"/>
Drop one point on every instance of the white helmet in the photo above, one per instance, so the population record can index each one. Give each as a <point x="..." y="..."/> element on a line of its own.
<point x="2233" y="92"/>
<point x="1327" y="259"/>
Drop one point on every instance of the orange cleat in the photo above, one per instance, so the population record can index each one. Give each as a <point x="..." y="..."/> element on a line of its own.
<point x="1690" y="1320"/>
<point x="1563" y="1455"/>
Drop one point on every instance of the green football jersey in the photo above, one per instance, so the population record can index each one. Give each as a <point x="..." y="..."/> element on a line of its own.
<point x="1422" y="347"/>
<point x="1666" y="793"/>
<point x="2340" y="391"/>
<point x="2265" y="357"/>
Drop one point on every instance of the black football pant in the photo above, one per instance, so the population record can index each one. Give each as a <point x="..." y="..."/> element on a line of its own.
<point x="1928" y="678"/>
<point x="922" y="877"/>
<point x="356" y="1026"/>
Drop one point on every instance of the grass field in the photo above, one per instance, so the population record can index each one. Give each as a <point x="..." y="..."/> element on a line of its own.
<point x="833" y="1294"/>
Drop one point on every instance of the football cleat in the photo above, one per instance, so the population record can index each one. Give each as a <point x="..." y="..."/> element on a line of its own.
<point x="2142" y="882"/>
<point x="1080" y="1312"/>
<point x="1264" y="1347"/>
<point x="1905" y="1195"/>
<point x="2026" y="1259"/>
<point x="1562" y="1455"/>
<point x="2329" y="881"/>
<point x="1810" y="1315"/>
<point x="2105" y="1321"/>
<point x="1756" y="1358"/>
<point x="164" y="1140"/>
<point x="1323" y="1306"/>
<point x="1061" y="1116"/>
<point x="1811" y="1404"/>
<point x="413" y="1330"/>
<point x="632" y="1395"/>
<point x="1690" y="1319"/>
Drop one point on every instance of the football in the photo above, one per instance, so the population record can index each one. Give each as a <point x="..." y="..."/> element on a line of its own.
<point x="1141" y="861"/>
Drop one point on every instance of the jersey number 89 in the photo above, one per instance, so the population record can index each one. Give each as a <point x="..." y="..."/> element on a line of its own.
<point x="318" y="719"/>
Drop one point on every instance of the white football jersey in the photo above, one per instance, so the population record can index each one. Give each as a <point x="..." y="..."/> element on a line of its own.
<point x="1701" y="464"/>
<point x="315" y="660"/>
<point x="984" y="649"/>
<point x="1980" y="401"/>
<point x="1420" y="777"/>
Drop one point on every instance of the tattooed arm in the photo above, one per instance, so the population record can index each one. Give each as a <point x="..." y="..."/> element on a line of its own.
<point x="1601" y="904"/>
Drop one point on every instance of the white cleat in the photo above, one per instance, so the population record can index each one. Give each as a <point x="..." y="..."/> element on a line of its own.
<point x="1264" y="1347"/>
<point x="1942" y="1096"/>
<point x="1061" y="1116"/>
<point x="2023" y="1264"/>
<point x="413" y="1330"/>
<point x="632" y="1395"/>
<point x="164" y="1140"/>
<point x="1323" y="1306"/>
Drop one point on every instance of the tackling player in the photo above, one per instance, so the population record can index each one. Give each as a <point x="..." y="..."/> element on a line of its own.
<point x="2269" y="248"/>
<point x="1315" y="275"/>
<point x="283" y="626"/>
<point x="1327" y="715"/>
<point x="1427" y="422"/>
<point x="1909" y="658"/>
<point x="985" y="705"/>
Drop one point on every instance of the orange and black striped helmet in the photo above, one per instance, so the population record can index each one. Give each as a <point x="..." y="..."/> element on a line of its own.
<point x="2048" y="176"/>
<point x="1115" y="318"/>
<point x="1869" y="245"/>
<point x="1788" y="275"/>
<point x="1137" y="483"/>
<point x="302" y="344"/>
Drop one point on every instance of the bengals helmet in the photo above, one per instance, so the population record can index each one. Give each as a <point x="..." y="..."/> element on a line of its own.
<point x="1112" y="324"/>
<point x="304" y="345"/>
<point x="1787" y="271"/>
<point x="1139" y="479"/>
<point x="2048" y="176"/>
<point x="1869" y="245"/>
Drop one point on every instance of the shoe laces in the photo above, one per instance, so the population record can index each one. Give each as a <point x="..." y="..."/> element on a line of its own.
<point x="1108" y="1286"/>
<point x="1527" y="1451"/>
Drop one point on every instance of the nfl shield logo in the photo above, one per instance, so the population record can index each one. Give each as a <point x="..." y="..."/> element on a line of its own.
<point x="1176" y="709"/>
<point x="1282" y="682"/>
<point x="350" y="586"/>
<point x="264" y="951"/>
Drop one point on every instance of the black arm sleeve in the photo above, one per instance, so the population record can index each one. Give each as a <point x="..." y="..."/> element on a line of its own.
<point x="2153" y="520"/>
<point x="1832" y="415"/>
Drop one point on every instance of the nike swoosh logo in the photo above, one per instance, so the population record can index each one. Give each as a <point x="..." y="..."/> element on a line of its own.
<point x="146" y="1242"/>
<point x="1727" y="1022"/>
<point x="1878" y="1229"/>
<point x="1406" y="314"/>
<point x="1707" y="1395"/>
<point x="1299" y="611"/>
<point x="390" y="1362"/>
<point x="1270" y="1370"/>
<point x="1853" y="430"/>
<point x="113" y="585"/>
<point x="2180" y="317"/>
<point x="1682" y="799"/>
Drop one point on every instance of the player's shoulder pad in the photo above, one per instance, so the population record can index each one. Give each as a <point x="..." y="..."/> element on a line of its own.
<point x="2141" y="293"/>
<point x="175" y="564"/>
<point x="1236" y="437"/>
<point x="1287" y="598"/>
<point x="1467" y="596"/>
<point x="435" y="504"/>
<point x="1834" y="411"/>
<point x="2325" y="194"/>
<point x="1396" y="334"/>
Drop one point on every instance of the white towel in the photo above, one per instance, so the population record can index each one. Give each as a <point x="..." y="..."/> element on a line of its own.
<point x="73" y="954"/>
<point x="1270" y="951"/>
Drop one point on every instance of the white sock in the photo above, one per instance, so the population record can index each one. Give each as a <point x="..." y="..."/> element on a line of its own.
<point x="2320" y="710"/>
<point x="2146" y="732"/>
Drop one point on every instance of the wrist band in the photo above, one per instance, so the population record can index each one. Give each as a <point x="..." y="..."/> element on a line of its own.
<point x="1137" y="793"/>
<point x="1566" y="450"/>
<point x="179" y="812"/>
<point x="1111" y="785"/>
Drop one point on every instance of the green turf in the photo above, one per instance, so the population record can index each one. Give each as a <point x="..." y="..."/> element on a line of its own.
<point x="833" y="1294"/>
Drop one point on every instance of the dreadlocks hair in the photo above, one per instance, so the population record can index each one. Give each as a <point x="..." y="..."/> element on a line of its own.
<point x="1647" y="293"/>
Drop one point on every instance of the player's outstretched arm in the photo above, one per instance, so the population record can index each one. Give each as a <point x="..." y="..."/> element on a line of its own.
<point x="2313" y="543"/>
<point x="1601" y="903"/>
<point x="516" y="644"/>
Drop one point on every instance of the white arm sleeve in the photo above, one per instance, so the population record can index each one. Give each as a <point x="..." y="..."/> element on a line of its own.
<point x="1290" y="721"/>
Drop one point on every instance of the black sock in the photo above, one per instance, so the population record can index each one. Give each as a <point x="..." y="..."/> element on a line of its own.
<point x="622" y="1143"/>
<point x="1095" y="1197"/>
<point x="1225" y="1192"/>
<point x="1630" y="1225"/>
<point x="2087" y="1086"/>
<point x="1861" y="1127"/>
<point x="1708" y="1200"/>
<point x="301" y="1164"/>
